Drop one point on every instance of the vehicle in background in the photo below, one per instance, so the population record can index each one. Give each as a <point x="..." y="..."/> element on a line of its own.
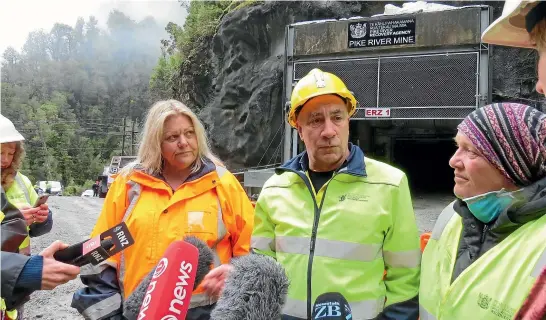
<point x="56" y="187"/>
<point x="87" y="193"/>
<point x="110" y="172"/>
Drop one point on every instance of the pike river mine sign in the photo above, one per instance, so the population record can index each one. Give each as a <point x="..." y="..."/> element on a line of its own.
<point x="378" y="33"/>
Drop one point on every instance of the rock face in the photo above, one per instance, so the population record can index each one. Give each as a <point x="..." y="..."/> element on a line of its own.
<point x="244" y="113"/>
<point x="243" y="93"/>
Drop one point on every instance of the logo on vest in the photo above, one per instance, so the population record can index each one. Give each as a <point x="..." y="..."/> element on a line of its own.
<point x="497" y="308"/>
<point x="354" y="197"/>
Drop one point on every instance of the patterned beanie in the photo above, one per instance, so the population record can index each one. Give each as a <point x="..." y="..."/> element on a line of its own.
<point x="512" y="137"/>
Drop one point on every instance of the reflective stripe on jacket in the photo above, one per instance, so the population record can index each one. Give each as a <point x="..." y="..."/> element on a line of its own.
<point x="341" y="239"/>
<point x="491" y="288"/>
<point x="21" y="193"/>
<point x="211" y="205"/>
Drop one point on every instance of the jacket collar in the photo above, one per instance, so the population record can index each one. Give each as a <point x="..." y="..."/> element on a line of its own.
<point x="354" y="164"/>
<point x="140" y="175"/>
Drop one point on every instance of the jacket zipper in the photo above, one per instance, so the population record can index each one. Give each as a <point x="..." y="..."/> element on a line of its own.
<point x="313" y="234"/>
<point x="484" y="231"/>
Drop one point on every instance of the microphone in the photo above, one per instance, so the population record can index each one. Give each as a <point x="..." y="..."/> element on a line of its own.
<point x="255" y="289"/>
<point x="331" y="306"/>
<point x="98" y="248"/>
<point x="164" y="293"/>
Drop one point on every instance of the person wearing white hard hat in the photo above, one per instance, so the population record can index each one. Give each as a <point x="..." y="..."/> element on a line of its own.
<point x="18" y="189"/>
<point x="485" y="253"/>
<point x="522" y="24"/>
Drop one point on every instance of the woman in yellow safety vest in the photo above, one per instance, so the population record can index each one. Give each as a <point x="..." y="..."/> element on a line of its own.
<point x="488" y="245"/>
<point x="18" y="188"/>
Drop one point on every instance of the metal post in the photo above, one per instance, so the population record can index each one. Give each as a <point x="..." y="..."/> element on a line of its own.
<point x="133" y="139"/>
<point x="288" y="79"/>
<point x="123" y="139"/>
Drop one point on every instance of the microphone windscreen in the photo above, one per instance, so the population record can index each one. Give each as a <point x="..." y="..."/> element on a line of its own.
<point x="205" y="258"/>
<point x="331" y="306"/>
<point x="255" y="289"/>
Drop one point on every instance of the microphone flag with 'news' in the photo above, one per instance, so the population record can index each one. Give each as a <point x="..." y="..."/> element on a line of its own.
<point x="331" y="306"/>
<point x="255" y="289"/>
<point x="168" y="285"/>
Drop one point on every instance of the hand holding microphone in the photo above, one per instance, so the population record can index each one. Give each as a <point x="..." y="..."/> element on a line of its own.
<point x="97" y="249"/>
<point x="55" y="273"/>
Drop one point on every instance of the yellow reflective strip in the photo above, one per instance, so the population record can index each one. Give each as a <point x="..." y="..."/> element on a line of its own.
<point x="402" y="259"/>
<point x="103" y="307"/>
<point x="442" y="221"/>
<point x="329" y="248"/>
<point x="539" y="266"/>
<point x="201" y="299"/>
<point x="262" y="243"/>
<point x="424" y="314"/>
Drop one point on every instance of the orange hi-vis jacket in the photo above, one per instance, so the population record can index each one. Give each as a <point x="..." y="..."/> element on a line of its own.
<point x="210" y="205"/>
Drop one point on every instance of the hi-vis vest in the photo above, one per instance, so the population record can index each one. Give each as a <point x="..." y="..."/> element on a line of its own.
<point x="341" y="238"/>
<point x="22" y="194"/>
<point x="492" y="288"/>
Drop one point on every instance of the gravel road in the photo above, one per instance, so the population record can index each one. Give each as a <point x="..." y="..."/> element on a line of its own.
<point x="74" y="217"/>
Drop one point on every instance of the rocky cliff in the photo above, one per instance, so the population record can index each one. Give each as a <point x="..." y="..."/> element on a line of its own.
<point x="238" y="75"/>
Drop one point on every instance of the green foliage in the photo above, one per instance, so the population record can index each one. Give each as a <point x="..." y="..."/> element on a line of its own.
<point x="68" y="91"/>
<point x="185" y="59"/>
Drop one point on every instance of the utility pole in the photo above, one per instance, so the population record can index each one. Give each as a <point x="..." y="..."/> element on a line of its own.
<point x="123" y="139"/>
<point x="133" y="139"/>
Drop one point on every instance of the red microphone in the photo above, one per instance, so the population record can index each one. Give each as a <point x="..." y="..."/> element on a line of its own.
<point x="170" y="289"/>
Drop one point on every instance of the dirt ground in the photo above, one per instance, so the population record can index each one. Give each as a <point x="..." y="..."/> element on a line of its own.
<point x="74" y="217"/>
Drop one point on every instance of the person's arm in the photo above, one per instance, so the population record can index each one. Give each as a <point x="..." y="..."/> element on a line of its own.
<point x="402" y="257"/>
<point x="263" y="235"/>
<point x="240" y="219"/>
<point x="101" y="297"/>
<point x="22" y="275"/>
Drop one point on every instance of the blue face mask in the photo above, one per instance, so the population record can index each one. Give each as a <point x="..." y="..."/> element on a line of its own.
<point x="488" y="206"/>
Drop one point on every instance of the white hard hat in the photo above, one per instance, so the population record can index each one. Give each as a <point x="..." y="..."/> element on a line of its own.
<point x="8" y="133"/>
<point x="510" y="28"/>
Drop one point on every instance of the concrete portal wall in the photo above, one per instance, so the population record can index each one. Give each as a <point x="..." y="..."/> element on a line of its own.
<point x="432" y="29"/>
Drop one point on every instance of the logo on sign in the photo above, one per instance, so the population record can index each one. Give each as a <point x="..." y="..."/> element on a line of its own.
<point x="161" y="267"/>
<point x="117" y="229"/>
<point x="358" y="30"/>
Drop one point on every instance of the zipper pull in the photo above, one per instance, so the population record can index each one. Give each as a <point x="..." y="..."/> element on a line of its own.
<point x="485" y="229"/>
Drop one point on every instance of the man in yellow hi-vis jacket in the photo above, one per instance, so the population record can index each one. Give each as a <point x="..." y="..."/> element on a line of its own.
<point x="335" y="219"/>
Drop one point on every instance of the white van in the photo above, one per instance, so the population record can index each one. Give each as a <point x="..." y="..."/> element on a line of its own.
<point x="56" y="187"/>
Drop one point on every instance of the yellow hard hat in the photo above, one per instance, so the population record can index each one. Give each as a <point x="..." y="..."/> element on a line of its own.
<point x="317" y="83"/>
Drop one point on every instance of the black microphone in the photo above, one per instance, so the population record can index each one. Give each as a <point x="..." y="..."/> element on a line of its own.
<point x="255" y="289"/>
<point x="132" y="305"/>
<point x="331" y="306"/>
<point x="98" y="248"/>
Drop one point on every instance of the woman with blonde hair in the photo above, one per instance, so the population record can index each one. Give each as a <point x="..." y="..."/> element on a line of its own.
<point x="175" y="188"/>
<point x="19" y="191"/>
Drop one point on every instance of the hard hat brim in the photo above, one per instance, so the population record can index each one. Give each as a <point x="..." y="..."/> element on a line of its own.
<point x="509" y="29"/>
<point x="13" y="137"/>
